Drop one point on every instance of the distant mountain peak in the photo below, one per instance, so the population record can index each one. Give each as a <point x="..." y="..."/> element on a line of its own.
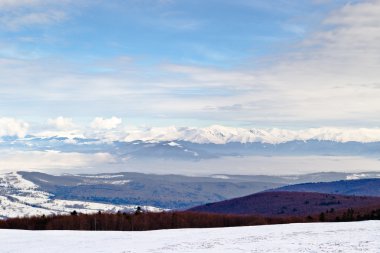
<point x="218" y="134"/>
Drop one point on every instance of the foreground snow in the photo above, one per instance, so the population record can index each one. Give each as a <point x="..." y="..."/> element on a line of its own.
<point x="312" y="237"/>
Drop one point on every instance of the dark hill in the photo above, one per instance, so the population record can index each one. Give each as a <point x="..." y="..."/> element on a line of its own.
<point x="361" y="187"/>
<point x="288" y="204"/>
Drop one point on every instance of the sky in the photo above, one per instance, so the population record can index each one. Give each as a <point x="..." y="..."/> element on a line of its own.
<point x="290" y="64"/>
<point x="118" y="69"/>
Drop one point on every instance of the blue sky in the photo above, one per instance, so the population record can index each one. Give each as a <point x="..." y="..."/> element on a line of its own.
<point x="291" y="64"/>
<point x="220" y="33"/>
<point x="110" y="70"/>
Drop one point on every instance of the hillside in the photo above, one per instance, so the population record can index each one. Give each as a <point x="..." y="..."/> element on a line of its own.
<point x="20" y="197"/>
<point x="360" y="187"/>
<point x="288" y="204"/>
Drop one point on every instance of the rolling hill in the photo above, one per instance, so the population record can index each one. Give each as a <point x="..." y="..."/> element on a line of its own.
<point x="288" y="204"/>
<point x="360" y="187"/>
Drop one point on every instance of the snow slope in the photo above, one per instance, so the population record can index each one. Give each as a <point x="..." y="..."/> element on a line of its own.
<point x="312" y="237"/>
<point x="20" y="197"/>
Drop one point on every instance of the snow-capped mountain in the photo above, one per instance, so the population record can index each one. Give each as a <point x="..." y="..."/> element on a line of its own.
<point x="221" y="135"/>
<point x="21" y="197"/>
<point x="216" y="134"/>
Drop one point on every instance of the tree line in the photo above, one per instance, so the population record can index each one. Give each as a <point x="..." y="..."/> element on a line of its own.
<point x="140" y="221"/>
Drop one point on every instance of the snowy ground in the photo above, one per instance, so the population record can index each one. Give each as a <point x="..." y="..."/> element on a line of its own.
<point x="312" y="237"/>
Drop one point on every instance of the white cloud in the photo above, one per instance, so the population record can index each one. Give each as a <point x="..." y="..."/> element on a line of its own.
<point x="209" y="77"/>
<point x="62" y="123"/>
<point x="18" y="14"/>
<point x="15" y="22"/>
<point x="331" y="76"/>
<point x="104" y="123"/>
<point x="52" y="160"/>
<point x="10" y="4"/>
<point x="13" y="127"/>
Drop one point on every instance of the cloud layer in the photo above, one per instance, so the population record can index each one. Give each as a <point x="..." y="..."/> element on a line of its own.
<point x="52" y="160"/>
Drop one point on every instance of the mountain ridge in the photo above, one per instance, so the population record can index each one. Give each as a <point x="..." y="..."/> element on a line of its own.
<point x="357" y="187"/>
<point x="282" y="203"/>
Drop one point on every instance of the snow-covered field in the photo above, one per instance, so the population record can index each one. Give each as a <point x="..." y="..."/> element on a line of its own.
<point x="311" y="237"/>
